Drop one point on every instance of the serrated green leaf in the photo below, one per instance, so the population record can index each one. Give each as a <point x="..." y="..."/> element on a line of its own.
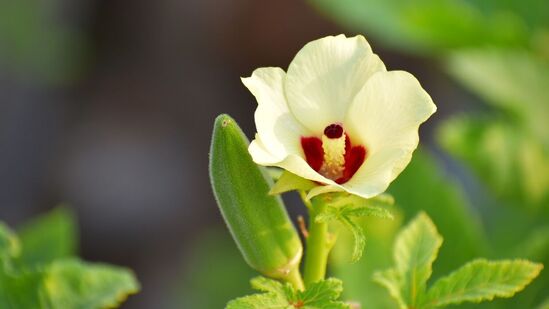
<point x="341" y="199"/>
<point x="417" y="245"/>
<point x="75" y="284"/>
<point x="267" y="285"/>
<point x="482" y="280"/>
<point x="344" y="204"/>
<point x="359" y="238"/>
<point x="289" y="182"/>
<point x="344" y="215"/>
<point x="277" y="295"/>
<point x="368" y="211"/>
<point x="457" y="220"/>
<point x="66" y="284"/>
<point x="49" y="237"/>
<point x="322" y="295"/>
<point x="416" y="249"/>
<point x="259" y="301"/>
<point x="52" y="282"/>
<point x="319" y="295"/>
<point x="330" y="213"/>
<point x="323" y="291"/>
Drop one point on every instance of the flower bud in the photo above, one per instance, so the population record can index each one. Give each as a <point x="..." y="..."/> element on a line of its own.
<point x="258" y="221"/>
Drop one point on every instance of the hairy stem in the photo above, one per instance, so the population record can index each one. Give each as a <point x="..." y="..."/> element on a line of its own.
<point x="294" y="277"/>
<point x="318" y="245"/>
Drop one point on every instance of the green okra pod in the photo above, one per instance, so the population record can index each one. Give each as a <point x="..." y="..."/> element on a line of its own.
<point x="258" y="221"/>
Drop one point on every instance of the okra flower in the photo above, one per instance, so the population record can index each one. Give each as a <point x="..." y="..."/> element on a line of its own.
<point x="338" y="117"/>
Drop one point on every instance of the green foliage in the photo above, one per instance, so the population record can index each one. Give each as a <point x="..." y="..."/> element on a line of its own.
<point x="66" y="284"/>
<point x="444" y="203"/>
<point x="482" y="280"/>
<point x="507" y="148"/>
<point x="30" y="278"/>
<point x="511" y="154"/>
<point x="49" y="237"/>
<point x="357" y="276"/>
<point x="345" y="207"/>
<point x="32" y="40"/>
<point x="258" y="221"/>
<point x="416" y="249"/>
<point x="511" y="162"/>
<point x="75" y="284"/>
<point x="423" y="186"/>
<point x="435" y="26"/>
<point x="23" y="289"/>
<point x="515" y="80"/>
<point x="9" y="244"/>
<point x="213" y="267"/>
<point x="319" y="295"/>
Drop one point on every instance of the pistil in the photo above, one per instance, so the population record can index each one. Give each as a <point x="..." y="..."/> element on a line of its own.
<point x="333" y="155"/>
<point x="333" y="144"/>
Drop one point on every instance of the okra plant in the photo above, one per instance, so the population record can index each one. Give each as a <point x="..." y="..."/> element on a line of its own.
<point x="341" y="128"/>
<point x="39" y="268"/>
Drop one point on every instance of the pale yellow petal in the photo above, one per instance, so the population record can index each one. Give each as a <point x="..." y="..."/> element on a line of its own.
<point x="385" y="117"/>
<point x="277" y="128"/>
<point x="325" y="76"/>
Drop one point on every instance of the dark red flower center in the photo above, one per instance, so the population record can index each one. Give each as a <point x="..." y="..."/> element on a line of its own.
<point x="337" y="160"/>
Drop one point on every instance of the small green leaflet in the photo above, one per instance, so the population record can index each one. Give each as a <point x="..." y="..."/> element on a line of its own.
<point x="358" y="235"/>
<point x="320" y="295"/>
<point x="416" y="249"/>
<point x="344" y="206"/>
<point x="481" y="280"/>
<point x="49" y="237"/>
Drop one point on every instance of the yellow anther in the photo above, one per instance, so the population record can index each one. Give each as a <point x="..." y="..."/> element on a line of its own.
<point x="334" y="157"/>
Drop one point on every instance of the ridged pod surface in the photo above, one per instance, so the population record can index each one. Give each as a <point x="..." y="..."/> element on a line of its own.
<point x="258" y="221"/>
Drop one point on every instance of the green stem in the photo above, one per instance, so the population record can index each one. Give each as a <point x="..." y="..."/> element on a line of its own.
<point x="294" y="277"/>
<point x="318" y="245"/>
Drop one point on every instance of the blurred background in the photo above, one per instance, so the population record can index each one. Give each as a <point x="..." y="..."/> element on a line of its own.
<point x="108" y="106"/>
